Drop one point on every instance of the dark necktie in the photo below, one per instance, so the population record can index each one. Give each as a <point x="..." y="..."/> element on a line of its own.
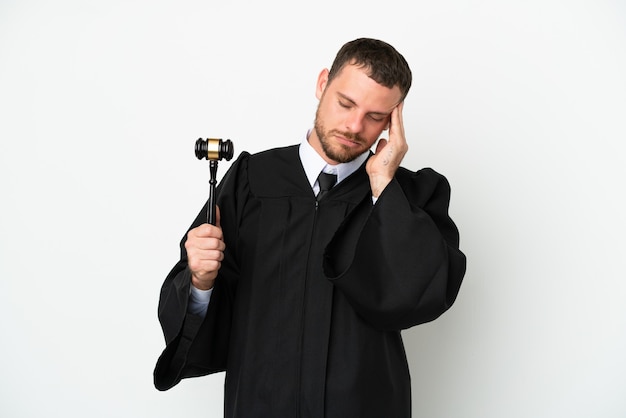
<point x="326" y="182"/>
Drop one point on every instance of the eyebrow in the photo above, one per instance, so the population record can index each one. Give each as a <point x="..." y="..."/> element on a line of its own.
<point x="343" y="96"/>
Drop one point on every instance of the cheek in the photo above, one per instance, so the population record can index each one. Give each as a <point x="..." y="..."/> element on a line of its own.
<point x="330" y="116"/>
<point x="373" y="131"/>
<point x="371" y="141"/>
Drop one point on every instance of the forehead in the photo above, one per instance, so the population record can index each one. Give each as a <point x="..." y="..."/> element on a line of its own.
<point x="353" y="83"/>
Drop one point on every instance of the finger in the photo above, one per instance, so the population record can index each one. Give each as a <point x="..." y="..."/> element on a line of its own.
<point x="205" y="231"/>
<point x="204" y="260"/>
<point x="196" y="246"/>
<point x="205" y="243"/>
<point x="201" y="267"/>
<point x="210" y="244"/>
<point x="396" y="134"/>
<point x="397" y="124"/>
<point x="209" y="256"/>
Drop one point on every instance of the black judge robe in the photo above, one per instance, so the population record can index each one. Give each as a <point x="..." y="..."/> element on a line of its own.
<point x="307" y="309"/>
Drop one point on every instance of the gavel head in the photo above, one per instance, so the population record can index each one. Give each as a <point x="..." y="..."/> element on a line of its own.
<point x="214" y="149"/>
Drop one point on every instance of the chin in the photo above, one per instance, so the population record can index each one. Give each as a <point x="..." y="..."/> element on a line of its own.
<point x="341" y="155"/>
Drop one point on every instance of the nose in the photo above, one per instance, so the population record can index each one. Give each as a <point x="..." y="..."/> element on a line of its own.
<point x="354" y="122"/>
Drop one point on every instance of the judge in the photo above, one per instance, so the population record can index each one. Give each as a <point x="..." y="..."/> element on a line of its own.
<point x="301" y="290"/>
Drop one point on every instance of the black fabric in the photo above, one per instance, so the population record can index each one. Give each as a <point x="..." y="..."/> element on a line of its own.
<point x="308" y="307"/>
<point x="326" y="182"/>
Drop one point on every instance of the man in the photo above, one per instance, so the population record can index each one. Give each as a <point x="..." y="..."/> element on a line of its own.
<point x="300" y="299"/>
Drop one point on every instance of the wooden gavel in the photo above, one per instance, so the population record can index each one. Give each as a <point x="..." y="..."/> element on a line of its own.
<point x="213" y="149"/>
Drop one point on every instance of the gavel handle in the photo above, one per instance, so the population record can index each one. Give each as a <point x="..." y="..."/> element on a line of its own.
<point x="211" y="212"/>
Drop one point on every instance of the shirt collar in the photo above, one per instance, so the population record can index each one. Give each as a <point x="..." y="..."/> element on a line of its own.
<point x="313" y="163"/>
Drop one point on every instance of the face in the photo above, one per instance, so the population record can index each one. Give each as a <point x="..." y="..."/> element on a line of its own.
<point x="353" y="110"/>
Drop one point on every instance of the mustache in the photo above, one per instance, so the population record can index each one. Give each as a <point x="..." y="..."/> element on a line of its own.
<point x="351" y="136"/>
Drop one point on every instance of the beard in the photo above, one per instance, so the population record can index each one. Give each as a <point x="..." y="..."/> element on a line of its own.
<point x="337" y="152"/>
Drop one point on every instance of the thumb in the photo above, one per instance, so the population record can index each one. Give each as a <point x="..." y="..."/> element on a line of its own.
<point x="217" y="216"/>
<point x="381" y="144"/>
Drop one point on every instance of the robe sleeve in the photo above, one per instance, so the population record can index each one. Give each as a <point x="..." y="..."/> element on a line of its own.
<point x="398" y="262"/>
<point x="197" y="345"/>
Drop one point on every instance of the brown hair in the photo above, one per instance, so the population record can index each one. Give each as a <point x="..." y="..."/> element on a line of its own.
<point x="384" y="64"/>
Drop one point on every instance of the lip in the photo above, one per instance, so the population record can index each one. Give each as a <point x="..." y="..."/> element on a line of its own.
<point x="346" y="141"/>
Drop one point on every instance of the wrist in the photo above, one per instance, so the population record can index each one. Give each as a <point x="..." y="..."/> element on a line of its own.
<point x="206" y="284"/>
<point x="378" y="184"/>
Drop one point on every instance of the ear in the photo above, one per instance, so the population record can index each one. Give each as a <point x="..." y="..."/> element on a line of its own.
<point x="322" y="80"/>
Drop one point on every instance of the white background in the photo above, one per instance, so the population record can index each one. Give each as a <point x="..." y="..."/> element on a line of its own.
<point x="521" y="104"/>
